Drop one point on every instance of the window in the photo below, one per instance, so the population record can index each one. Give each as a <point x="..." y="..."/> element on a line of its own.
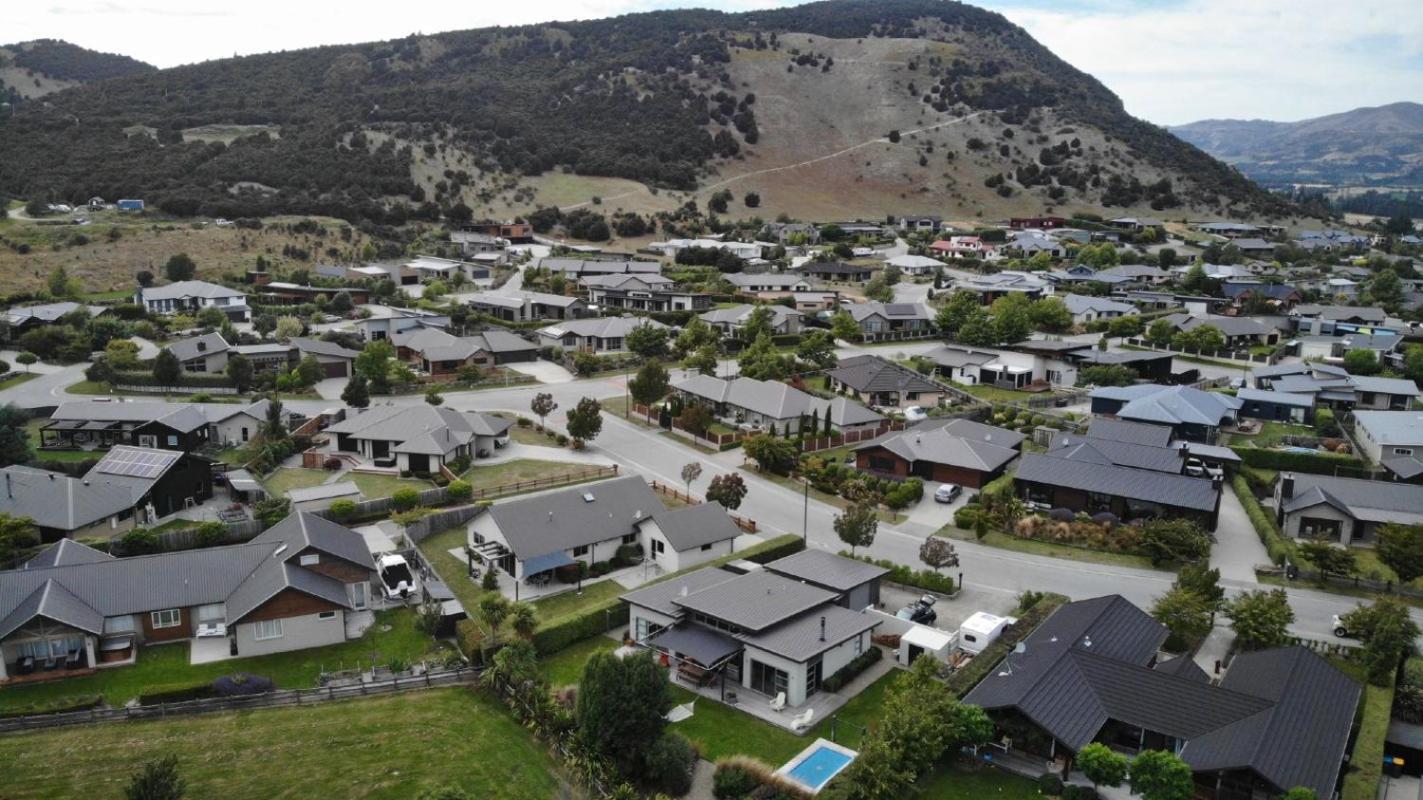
<point x="658" y="547"/>
<point x="122" y="624"/>
<point x="706" y="547"/>
<point x="581" y="550"/>
<point x="767" y="679"/>
<point x="859" y="645"/>
<point x="310" y="558"/>
<point x="172" y="441"/>
<point x="1403" y="451"/>
<point x="631" y="538"/>
<point x="326" y="615"/>
<point x="267" y="629"/>
<point x="215" y="612"/>
<point x="171" y="618"/>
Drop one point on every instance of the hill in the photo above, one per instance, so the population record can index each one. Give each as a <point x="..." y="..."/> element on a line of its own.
<point x="44" y="66"/>
<point x="1378" y="146"/>
<point x="829" y="109"/>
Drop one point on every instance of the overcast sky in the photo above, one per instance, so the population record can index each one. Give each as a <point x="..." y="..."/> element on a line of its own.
<point x="1171" y="61"/>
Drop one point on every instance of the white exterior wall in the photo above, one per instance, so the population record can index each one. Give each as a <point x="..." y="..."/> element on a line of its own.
<point x="213" y="363"/>
<point x="298" y="633"/>
<point x="1370" y="447"/>
<point x="229" y="431"/>
<point x="832" y="660"/>
<point x="636" y="612"/>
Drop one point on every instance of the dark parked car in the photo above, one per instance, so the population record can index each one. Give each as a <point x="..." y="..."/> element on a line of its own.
<point x="920" y="611"/>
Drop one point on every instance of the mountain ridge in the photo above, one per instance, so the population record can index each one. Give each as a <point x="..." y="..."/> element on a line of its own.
<point x="502" y="120"/>
<point x="38" y="67"/>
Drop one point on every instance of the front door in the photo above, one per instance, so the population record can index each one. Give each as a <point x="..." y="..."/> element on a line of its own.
<point x="358" y="595"/>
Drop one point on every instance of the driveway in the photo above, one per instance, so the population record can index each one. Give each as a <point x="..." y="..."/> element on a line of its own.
<point x="930" y="514"/>
<point x="331" y="388"/>
<point x="544" y="371"/>
<point x="1237" y="549"/>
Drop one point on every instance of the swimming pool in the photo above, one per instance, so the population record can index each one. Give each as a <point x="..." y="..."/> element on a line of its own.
<point x="817" y="764"/>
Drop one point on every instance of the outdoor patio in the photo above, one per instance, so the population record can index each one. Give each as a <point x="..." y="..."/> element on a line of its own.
<point x="525" y="590"/>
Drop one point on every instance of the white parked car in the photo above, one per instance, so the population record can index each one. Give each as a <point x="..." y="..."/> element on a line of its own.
<point x="915" y="414"/>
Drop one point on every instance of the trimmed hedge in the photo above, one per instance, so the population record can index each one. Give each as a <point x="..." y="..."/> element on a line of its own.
<point x="186" y="379"/>
<point x="925" y="579"/>
<point x="1263" y="523"/>
<point x="849" y="672"/>
<point x="1296" y="461"/>
<point x="765" y="552"/>
<point x="61" y="705"/>
<point x="978" y="668"/>
<point x="1366" y="762"/>
<point x="175" y="693"/>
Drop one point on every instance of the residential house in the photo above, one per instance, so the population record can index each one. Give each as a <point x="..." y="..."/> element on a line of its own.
<point x="88" y="424"/>
<point x="815" y="302"/>
<point x="751" y="404"/>
<point x="884" y="321"/>
<point x="742" y="250"/>
<point x="1229" y="230"/>
<point x="835" y="271"/>
<point x="128" y="486"/>
<point x="266" y="357"/>
<point x="207" y="353"/>
<point x="957" y="451"/>
<point x="642" y="292"/>
<point x="1028" y="243"/>
<point x="1278" y="296"/>
<point x="1345" y="510"/>
<point x="921" y="222"/>
<point x="301" y="583"/>
<point x="384" y="321"/>
<point x="1386" y="435"/>
<point x="1093" y="672"/>
<point x="731" y="319"/>
<point x="190" y="297"/>
<point x="515" y="232"/>
<point x="596" y="335"/>
<point x="789" y="233"/>
<point x="1334" y="387"/>
<point x="527" y="539"/>
<point x="1319" y="320"/>
<point x="473" y="242"/>
<point x="1192" y="414"/>
<point x="417" y="438"/>
<point x="436" y="352"/>
<point x="285" y="292"/>
<point x="1086" y="309"/>
<point x="19" y="320"/>
<point x="1331" y="239"/>
<point x="1297" y="409"/>
<point x="770" y="634"/>
<point x="1136" y="274"/>
<point x="1239" y="332"/>
<point x="1137" y="224"/>
<point x="960" y="247"/>
<point x="914" y="265"/>
<point x="769" y="285"/>
<point x="1333" y="349"/>
<point x="1082" y="275"/>
<point x="1087" y="480"/>
<point x="335" y="361"/>
<point x="1255" y="247"/>
<point x="575" y="268"/>
<point x="877" y="382"/>
<point x="528" y="306"/>
<point x="873" y="230"/>
<point x="1041" y="223"/>
<point x="431" y="268"/>
<point x="1000" y="284"/>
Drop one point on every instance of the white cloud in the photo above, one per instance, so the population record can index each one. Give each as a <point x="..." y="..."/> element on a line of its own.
<point x="1170" y="63"/>
<point x="1270" y="59"/>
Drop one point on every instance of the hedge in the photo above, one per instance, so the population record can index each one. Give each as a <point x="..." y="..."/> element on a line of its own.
<point x="175" y="693"/>
<point x="61" y="705"/>
<point x="1264" y="524"/>
<point x="980" y="665"/>
<point x="925" y="579"/>
<point x="1296" y="461"/>
<point x="851" y="670"/>
<point x="186" y="379"/>
<point x="599" y="618"/>
<point x="1366" y="762"/>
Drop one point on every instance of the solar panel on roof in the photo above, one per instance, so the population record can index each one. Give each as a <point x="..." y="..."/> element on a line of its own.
<point x="899" y="309"/>
<point x="136" y="463"/>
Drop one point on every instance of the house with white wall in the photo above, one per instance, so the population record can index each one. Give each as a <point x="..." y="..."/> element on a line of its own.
<point x="190" y="297"/>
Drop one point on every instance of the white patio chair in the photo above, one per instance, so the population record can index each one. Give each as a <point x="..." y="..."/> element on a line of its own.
<point x="803" y="721"/>
<point x="778" y="703"/>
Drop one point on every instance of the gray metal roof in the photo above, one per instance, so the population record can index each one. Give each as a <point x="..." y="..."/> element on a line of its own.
<point x="891" y="311"/>
<point x="803" y="637"/>
<point x="660" y="596"/>
<point x="302" y="529"/>
<point x="1081" y="304"/>
<point x="433" y="430"/>
<point x="827" y="569"/>
<point x="65" y="553"/>
<point x="951" y="444"/>
<point x="186" y="289"/>
<point x="1170" y="405"/>
<point x="55" y="500"/>
<point x="961" y="356"/>
<point x="1275" y="398"/>
<point x="1120" y="430"/>
<point x="771" y="398"/>
<point x="1180" y="491"/>
<point x="323" y="348"/>
<point x="703" y="645"/>
<point x="1228" y="326"/>
<point x="1392" y="427"/>
<point x="870" y="373"/>
<point x="563" y="520"/>
<point x="1122" y="454"/>
<point x="598" y="327"/>
<point x="757" y="600"/>
<point x="693" y="526"/>
<point x="184" y="417"/>
<point x="1373" y="501"/>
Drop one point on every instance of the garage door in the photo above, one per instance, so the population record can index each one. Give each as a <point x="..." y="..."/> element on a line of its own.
<point x="334" y="369"/>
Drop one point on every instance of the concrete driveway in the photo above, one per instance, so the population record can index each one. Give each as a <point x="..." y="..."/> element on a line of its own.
<point x="544" y="371"/>
<point x="931" y="514"/>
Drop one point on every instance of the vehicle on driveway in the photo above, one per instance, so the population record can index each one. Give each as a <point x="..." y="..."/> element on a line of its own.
<point x="947" y="493"/>
<point x="920" y="611"/>
<point x="397" y="580"/>
<point x="915" y="414"/>
<point x="1337" y="624"/>
<point x="1197" y="468"/>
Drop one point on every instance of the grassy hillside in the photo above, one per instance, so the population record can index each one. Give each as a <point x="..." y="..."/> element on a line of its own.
<point x="645" y="109"/>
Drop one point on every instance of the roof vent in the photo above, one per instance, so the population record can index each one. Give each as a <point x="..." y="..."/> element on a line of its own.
<point x="637" y="514"/>
<point x="281" y="549"/>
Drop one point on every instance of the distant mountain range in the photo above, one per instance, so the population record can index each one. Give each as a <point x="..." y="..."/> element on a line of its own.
<point x="1378" y="146"/>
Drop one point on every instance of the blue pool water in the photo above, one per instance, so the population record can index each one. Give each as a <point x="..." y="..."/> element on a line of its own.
<point x="819" y="767"/>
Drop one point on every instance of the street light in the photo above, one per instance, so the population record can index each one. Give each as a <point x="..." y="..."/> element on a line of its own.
<point x="805" y="510"/>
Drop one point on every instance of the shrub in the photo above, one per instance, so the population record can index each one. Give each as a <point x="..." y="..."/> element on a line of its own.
<point x="967" y="516"/>
<point x="405" y="498"/>
<point x="731" y="781"/>
<point x="1296" y="461"/>
<point x="591" y="621"/>
<point x="342" y="510"/>
<point x="524" y="422"/>
<point x="668" y="764"/>
<point x="1049" y="783"/>
<point x="240" y="684"/>
<point x="59" y="705"/>
<point x="469" y="638"/>
<point x="458" y="491"/>
<point x="175" y="693"/>
<point x="766" y="552"/>
<point x="927" y="580"/>
<point x="1075" y="792"/>
<point x="848" y="672"/>
<point x="490" y="581"/>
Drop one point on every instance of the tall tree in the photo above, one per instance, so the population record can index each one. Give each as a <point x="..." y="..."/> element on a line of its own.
<point x="1388" y="634"/>
<point x="648" y="341"/>
<point x="14" y="442"/>
<point x="374" y="365"/>
<point x="585" y="421"/>
<point x="758" y="323"/>
<point x="649" y="385"/>
<point x="1261" y="618"/>
<point x="274" y="427"/>
<point x="1102" y="765"/>
<point x="621" y="707"/>
<point x="856" y="525"/>
<point x="817" y="348"/>
<point x="542" y="405"/>
<point x="937" y="552"/>
<point x="728" y="490"/>
<point x="1186" y="614"/>
<point x="702" y="360"/>
<point x="239" y="371"/>
<point x="1400" y="548"/>
<point x="180" y="267"/>
<point x="357" y="393"/>
<point x="166" y="369"/>
<point x="1161" y="775"/>
<point x="17" y="534"/>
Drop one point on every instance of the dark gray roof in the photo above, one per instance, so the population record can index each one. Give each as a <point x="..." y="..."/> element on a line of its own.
<point x="703" y="645"/>
<point x="1170" y="405"/>
<point x="303" y="529"/>
<point x="1185" y="667"/>
<point x="757" y="600"/>
<point x="65" y="553"/>
<point x="323" y="348"/>
<point x="198" y="346"/>
<point x="958" y="443"/>
<point x="1180" y="491"/>
<point x="800" y="639"/>
<point x="1275" y="398"/>
<point x="693" y="526"/>
<point x="421" y="428"/>
<point x="184" y="418"/>
<point x="55" y="500"/>
<point x="827" y="569"/>
<point x="52" y="601"/>
<point x="659" y="596"/>
<point x="1122" y="454"/>
<point x="1120" y="430"/>
<point x="1372" y="501"/>
<point x="563" y="520"/>
<point x="264" y="584"/>
<point x="869" y="373"/>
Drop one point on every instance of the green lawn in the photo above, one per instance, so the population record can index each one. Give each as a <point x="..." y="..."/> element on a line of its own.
<point x="795" y="485"/>
<point x="373" y="486"/>
<point x="993" y="394"/>
<point x="566" y="668"/>
<point x="453" y="570"/>
<point x="16" y="380"/>
<point x="527" y="435"/>
<point x="284" y="480"/>
<point x="973" y="782"/>
<point x="167" y="665"/>
<point x="562" y="606"/>
<point x="96" y="388"/>
<point x="1054" y="549"/>
<point x="392" y="747"/>
<point x="32" y="431"/>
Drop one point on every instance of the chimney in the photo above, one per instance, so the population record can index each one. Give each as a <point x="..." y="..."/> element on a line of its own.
<point x="822" y="629"/>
